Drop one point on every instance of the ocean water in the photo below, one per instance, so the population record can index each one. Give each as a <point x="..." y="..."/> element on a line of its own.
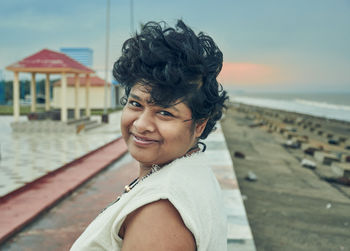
<point x="327" y="105"/>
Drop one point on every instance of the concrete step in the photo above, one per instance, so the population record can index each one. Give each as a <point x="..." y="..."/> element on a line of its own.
<point x="93" y="125"/>
<point x="77" y="121"/>
<point x="87" y="125"/>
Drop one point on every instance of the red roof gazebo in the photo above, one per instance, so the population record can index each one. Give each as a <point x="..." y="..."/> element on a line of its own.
<point x="50" y="62"/>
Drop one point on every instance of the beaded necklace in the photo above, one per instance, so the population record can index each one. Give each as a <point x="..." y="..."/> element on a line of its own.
<point x="154" y="168"/>
<point x="127" y="188"/>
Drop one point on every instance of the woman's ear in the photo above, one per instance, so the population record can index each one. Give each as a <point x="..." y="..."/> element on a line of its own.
<point x="200" y="126"/>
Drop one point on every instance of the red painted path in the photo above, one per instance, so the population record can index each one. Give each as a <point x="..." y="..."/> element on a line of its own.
<point x="22" y="206"/>
<point x="59" y="227"/>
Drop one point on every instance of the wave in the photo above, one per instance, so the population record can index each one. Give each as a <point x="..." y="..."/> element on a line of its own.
<point x="323" y="104"/>
<point x="315" y="108"/>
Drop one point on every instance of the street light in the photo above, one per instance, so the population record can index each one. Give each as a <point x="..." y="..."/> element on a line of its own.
<point x="131" y="16"/>
<point x="105" y="114"/>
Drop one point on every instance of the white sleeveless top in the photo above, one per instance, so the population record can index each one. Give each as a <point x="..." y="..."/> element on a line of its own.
<point x="189" y="184"/>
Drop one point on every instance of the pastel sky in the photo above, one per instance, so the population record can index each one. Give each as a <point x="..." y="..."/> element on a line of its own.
<point x="270" y="45"/>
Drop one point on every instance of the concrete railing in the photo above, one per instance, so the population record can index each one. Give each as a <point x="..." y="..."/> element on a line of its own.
<point x="239" y="235"/>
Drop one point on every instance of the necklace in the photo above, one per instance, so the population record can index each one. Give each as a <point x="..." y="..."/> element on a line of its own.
<point x="127" y="188"/>
<point x="154" y="168"/>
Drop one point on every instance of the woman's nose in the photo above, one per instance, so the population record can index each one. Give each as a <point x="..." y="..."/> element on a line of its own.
<point x="144" y="122"/>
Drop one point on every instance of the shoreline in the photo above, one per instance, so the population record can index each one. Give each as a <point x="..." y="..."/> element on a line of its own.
<point x="294" y="113"/>
<point x="330" y="106"/>
<point x="334" y="126"/>
<point x="289" y="206"/>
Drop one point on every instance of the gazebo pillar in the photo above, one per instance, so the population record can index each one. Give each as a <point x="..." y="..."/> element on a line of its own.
<point x="76" y="94"/>
<point x="16" y="97"/>
<point x="47" y="92"/>
<point x="33" y="93"/>
<point x="63" y="97"/>
<point x="87" y="96"/>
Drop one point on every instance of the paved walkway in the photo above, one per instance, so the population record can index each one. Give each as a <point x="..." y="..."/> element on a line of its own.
<point x="25" y="157"/>
<point x="59" y="227"/>
<point x="19" y="208"/>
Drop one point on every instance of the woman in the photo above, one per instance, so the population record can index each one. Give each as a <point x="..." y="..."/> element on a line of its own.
<point x="172" y="100"/>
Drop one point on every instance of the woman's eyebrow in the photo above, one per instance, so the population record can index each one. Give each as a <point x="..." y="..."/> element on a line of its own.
<point x="135" y="97"/>
<point x="169" y="107"/>
<point x="173" y="107"/>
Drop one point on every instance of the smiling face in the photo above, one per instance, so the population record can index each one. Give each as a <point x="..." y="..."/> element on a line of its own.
<point x="154" y="134"/>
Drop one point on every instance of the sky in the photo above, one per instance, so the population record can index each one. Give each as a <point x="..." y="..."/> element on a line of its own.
<point x="270" y="45"/>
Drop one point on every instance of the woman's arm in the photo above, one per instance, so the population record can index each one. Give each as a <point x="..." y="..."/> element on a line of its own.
<point x="158" y="227"/>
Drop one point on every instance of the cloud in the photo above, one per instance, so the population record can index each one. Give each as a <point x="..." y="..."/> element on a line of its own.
<point x="244" y="73"/>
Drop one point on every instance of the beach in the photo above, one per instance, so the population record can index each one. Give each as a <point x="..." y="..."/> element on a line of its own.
<point x="290" y="206"/>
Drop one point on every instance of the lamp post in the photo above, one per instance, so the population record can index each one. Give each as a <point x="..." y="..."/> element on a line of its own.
<point x="105" y="114"/>
<point x="131" y="16"/>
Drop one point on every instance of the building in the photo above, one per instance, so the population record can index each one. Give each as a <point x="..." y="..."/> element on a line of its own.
<point x="82" y="55"/>
<point x="2" y="89"/>
<point x="97" y="95"/>
<point x="2" y="92"/>
<point x="48" y="62"/>
<point x="85" y="57"/>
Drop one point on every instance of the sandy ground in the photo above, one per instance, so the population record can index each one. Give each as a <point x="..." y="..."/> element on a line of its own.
<point x="289" y="207"/>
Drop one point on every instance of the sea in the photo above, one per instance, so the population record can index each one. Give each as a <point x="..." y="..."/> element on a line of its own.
<point x="326" y="105"/>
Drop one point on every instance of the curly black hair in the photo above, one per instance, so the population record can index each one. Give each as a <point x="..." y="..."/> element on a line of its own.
<point x="176" y="64"/>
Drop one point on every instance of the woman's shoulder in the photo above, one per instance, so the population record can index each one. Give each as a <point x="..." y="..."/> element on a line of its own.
<point x="189" y="187"/>
<point x="196" y="163"/>
<point x="191" y="173"/>
<point x="153" y="223"/>
<point x="188" y="183"/>
<point x="182" y="174"/>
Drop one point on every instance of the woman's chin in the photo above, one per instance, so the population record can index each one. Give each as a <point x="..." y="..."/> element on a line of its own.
<point x="142" y="159"/>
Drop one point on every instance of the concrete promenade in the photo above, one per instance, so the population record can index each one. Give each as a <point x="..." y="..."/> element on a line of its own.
<point x="25" y="157"/>
<point x="289" y="207"/>
<point x="22" y="206"/>
<point x="239" y="236"/>
<point x="60" y="226"/>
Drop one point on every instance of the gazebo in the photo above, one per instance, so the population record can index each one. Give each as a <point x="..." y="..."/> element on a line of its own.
<point x="50" y="62"/>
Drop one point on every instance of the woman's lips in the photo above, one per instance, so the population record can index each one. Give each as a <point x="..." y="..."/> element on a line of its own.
<point x="143" y="141"/>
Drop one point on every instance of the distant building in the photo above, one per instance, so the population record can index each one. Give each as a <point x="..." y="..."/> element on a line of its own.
<point x="2" y="92"/>
<point x="2" y="89"/>
<point x="97" y="94"/>
<point x="82" y="55"/>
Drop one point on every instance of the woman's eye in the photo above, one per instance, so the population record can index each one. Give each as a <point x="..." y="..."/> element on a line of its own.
<point x="165" y="113"/>
<point x="134" y="103"/>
